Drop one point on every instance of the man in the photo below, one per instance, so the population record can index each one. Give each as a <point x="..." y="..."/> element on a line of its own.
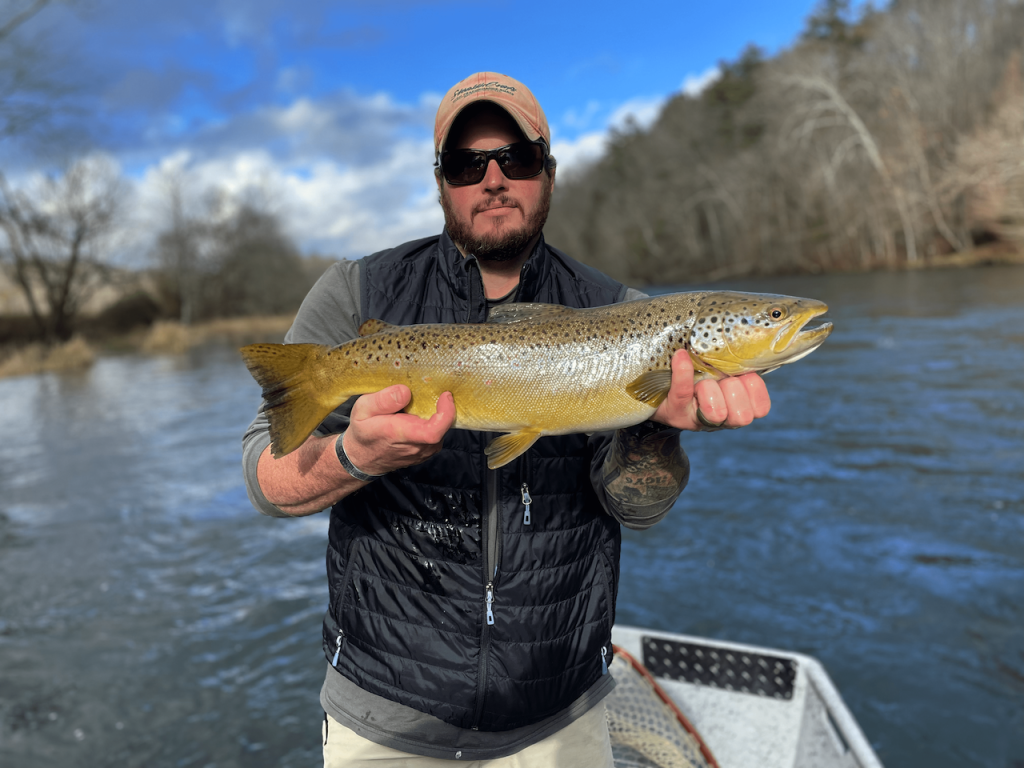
<point x="471" y="609"/>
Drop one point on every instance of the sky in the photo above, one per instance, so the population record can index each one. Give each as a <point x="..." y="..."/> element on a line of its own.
<point x="327" y="108"/>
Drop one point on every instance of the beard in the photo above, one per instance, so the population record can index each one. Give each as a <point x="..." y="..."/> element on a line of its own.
<point x="502" y="243"/>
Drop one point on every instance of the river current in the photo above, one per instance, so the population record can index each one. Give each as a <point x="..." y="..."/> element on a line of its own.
<point x="875" y="520"/>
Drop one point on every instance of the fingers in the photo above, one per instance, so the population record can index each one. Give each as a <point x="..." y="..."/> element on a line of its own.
<point x="388" y="400"/>
<point x="733" y="402"/>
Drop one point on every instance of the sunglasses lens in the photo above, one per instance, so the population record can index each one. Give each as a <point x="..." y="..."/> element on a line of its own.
<point x="463" y="166"/>
<point x="469" y="166"/>
<point x="522" y="160"/>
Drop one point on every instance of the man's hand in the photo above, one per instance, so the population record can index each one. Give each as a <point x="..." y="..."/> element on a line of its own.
<point x="729" y="403"/>
<point x="380" y="439"/>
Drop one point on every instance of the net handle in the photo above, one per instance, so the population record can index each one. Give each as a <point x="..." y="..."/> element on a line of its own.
<point x="667" y="701"/>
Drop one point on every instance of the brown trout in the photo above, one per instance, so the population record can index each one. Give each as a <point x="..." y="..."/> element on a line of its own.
<point x="537" y="369"/>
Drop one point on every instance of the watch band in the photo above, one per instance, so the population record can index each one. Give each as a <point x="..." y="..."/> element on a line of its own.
<point x="347" y="465"/>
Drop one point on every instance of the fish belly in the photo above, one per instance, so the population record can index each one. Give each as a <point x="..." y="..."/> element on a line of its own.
<point x="554" y="391"/>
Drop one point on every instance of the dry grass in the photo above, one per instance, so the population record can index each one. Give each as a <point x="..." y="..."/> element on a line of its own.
<point x="172" y="338"/>
<point x="74" y="355"/>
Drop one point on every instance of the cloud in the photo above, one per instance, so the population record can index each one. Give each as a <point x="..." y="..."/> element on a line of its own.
<point x="349" y="174"/>
<point x="574" y="155"/>
<point x="694" y="85"/>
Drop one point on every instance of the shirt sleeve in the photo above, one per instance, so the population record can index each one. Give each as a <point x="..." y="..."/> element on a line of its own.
<point x="330" y="315"/>
<point x="636" y="516"/>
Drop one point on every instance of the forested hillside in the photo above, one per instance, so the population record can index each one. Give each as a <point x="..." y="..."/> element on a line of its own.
<point x="877" y="140"/>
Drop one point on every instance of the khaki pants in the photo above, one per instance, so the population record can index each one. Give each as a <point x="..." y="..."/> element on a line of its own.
<point x="584" y="743"/>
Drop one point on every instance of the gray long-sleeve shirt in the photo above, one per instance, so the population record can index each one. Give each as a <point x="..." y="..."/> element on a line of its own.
<point x="330" y="314"/>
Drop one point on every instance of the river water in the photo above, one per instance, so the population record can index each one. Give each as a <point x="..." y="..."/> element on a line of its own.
<point x="875" y="520"/>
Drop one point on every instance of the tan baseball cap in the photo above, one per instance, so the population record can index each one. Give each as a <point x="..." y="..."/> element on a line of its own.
<point x="509" y="94"/>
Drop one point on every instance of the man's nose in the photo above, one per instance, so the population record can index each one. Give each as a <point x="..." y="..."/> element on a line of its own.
<point x="494" y="179"/>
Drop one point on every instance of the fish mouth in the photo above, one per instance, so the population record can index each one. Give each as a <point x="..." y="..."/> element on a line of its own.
<point x="798" y="339"/>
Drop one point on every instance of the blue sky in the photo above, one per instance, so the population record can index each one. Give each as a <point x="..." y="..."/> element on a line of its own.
<point x="328" y="106"/>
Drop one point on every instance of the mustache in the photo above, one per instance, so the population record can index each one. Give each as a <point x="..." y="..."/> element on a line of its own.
<point x="501" y="201"/>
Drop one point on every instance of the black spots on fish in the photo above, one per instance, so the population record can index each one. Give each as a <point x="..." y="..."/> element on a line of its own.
<point x="424" y="344"/>
<point x="714" y="319"/>
<point x="745" y="321"/>
<point x="369" y="357"/>
<point x="705" y="334"/>
<point x="347" y="352"/>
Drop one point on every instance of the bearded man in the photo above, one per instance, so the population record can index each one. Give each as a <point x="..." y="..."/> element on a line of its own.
<point x="471" y="610"/>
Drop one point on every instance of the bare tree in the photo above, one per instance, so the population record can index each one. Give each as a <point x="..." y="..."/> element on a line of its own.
<point x="54" y="232"/>
<point x="183" y="248"/>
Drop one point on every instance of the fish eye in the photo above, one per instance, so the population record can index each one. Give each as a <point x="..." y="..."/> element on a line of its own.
<point x="777" y="313"/>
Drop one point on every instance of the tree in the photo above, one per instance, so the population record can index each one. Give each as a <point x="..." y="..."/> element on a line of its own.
<point x="54" y="232"/>
<point x="228" y="256"/>
<point x="182" y="251"/>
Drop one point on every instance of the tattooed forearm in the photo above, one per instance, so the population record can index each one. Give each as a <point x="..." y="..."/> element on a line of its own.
<point x="645" y="470"/>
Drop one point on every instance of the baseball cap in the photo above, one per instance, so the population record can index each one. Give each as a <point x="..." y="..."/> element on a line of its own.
<point x="508" y="93"/>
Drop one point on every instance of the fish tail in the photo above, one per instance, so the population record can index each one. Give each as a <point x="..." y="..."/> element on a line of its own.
<point x="293" y="402"/>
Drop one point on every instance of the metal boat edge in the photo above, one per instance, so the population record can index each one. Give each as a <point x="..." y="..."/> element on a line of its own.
<point x="755" y="707"/>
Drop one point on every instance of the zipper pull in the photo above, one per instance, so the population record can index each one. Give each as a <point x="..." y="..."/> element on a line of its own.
<point x="527" y="501"/>
<point x="604" y="662"/>
<point x="337" y="652"/>
<point x="490" y="601"/>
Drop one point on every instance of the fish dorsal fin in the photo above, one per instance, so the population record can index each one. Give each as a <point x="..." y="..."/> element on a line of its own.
<point x="502" y="450"/>
<point x="513" y="313"/>
<point x="650" y="388"/>
<point x="371" y="327"/>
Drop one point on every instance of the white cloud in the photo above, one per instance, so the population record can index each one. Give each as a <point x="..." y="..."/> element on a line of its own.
<point x="641" y="112"/>
<point x="575" y="154"/>
<point x="349" y="175"/>
<point x="694" y="85"/>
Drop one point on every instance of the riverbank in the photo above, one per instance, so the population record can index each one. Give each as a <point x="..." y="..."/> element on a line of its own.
<point x="162" y="338"/>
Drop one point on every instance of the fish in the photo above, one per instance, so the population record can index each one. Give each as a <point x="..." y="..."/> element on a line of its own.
<point x="533" y="370"/>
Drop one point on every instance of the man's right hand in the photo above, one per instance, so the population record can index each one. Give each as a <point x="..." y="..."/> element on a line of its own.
<point x="380" y="438"/>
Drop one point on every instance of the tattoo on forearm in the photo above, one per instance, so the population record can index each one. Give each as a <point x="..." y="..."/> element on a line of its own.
<point x="644" y="470"/>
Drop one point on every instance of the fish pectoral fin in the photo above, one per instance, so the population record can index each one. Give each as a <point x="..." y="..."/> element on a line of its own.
<point x="650" y="388"/>
<point x="512" y="313"/>
<point x="371" y="327"/>
<point x="292" y="404"/>
<point x="501" y="450"/>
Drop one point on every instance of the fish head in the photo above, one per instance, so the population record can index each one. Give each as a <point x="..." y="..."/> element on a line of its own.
<point x="736" y="333"/>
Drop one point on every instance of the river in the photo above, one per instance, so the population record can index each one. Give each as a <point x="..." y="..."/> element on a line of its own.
<point x="875" y="520"/>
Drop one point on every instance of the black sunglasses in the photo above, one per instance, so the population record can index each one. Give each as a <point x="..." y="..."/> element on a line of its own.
<point x="521" y="160"/>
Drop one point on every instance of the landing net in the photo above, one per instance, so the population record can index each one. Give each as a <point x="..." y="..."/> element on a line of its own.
<point x="647" y="729"/>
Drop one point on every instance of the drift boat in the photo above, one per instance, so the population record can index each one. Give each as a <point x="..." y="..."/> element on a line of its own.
<point x="691" y="702"/>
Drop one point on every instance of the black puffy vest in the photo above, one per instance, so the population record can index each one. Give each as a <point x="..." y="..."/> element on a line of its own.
<point x="410" y="557"/>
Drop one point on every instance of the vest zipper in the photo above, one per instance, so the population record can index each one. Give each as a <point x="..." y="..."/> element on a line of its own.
<point x="337" y="645"/>
<point x="524" y="489"/>
<point x="604" y="660"/>
<point x="492" y="552"/>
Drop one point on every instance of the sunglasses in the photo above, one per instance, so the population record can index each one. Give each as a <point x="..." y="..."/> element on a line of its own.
<point x="521" y="160"/>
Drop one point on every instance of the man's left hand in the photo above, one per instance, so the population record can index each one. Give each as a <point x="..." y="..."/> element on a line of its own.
<point x="730" y="403"/>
